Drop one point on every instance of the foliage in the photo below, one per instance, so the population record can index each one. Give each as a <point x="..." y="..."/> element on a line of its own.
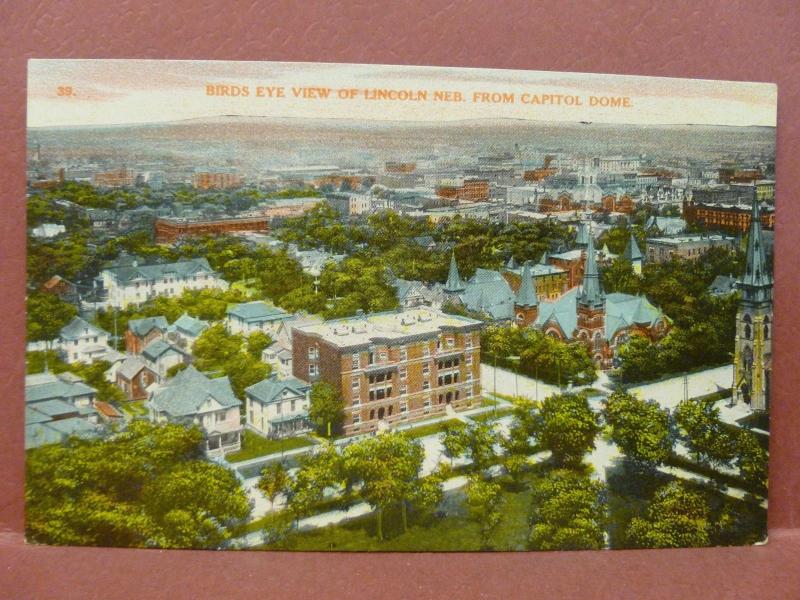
<point x="257" y="342"/>
<point x="518" y="445"/>
<point x="639" y="428"/>
<point x="274" y="481"/>
<point x="567" y="427"/>
<point x="568" y="512"/>
<point x="541" y="356"/>
<point x="484" y="503"/>
<point x="326" y="408"/>
<point x="145" y="486"/>
<point x="475" y="440"/>
<point x="93" y="374"/>
<point x="752" y="459"/>
<point x="708" y="440"/>
<point x="387" y="467"/>
<point x="318" y="471"/>
<point x="219" y="352"/>
<point x="677" y="517"/>
<point x="46" y="315"/>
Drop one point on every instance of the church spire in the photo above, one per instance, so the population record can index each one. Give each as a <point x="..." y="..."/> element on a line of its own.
<point x="756" y="284"/>
<point x="454" y="283"/>
<point x="526" y="297"/>
<point x="590" y="293"/>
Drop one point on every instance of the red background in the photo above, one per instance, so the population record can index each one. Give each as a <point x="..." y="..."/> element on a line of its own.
<point x="750" y="41"/>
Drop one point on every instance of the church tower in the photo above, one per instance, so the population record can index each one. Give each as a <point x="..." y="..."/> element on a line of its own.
<point x="634" y="255"/>
<point x="753" y="346"/>
<point x="591" y="304"/>
<point x="454" y="285"/>
<point x="526" y="304"/>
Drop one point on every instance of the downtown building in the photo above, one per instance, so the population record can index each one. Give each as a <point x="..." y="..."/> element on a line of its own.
<point x="392" y="367"/>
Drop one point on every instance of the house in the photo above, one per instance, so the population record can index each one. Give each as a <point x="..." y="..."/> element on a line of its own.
<point x="58" y="407"/>
<point x="141" y="332"/>
<point x="160" y="356"/>
<point x="277" y="407"/>
<point x="66" y="290"/>
<point x="48" y="230"/>
<point x="723" y="285"/>
<point x="130" y="282"/>
<point x="185" y="331"/>
<point x="133" y="377"/>
<point x="83" y="342"/>
<point x="279" y="358"/>
<point x="191" y="398"/>
<point x="248" y="317"/>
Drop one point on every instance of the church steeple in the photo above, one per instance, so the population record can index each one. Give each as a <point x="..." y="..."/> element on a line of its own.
<point x="634" y="255"/>
<point x="454" y="284"/>
<point x="756" y="283"/>
<point x="590" y="293"/>
<point x="526" y="296"/>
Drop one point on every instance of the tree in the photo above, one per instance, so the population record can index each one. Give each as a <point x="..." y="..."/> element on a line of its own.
<point x="318" y="471"/>
<point x="518" y="445"/>
<point x="677" y="517"/>
<point x="454" y="440"/>
<point x="387" y="466"/>
<point x="639" y="428"/>
<point x="567" y="427"/>
<point x="326" y="408"/>
<point x="484" y="498"/>
<point x="752" y="459"/>
<point x="46" y="315"/>
<point x="703" y="432"/>
<point x="568" y="512"/>
<point x="475" y="440"/>
<point x="217" y="351"/>
<point x="274" y="481"/>
<point x="145" y="486"/>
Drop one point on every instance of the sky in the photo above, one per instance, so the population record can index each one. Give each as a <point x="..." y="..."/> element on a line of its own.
<point x="111" y="92"/>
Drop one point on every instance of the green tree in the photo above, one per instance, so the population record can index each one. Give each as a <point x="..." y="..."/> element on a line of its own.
<point x="145" y="486"/>
<point x="47" y="314"/>
<point x="274" y="481"/>
<point x="639" y="428"/>
<point x="568" y="512"/>
<point x="326" y="408"/>
<point x="257" y="342"/>
<point x="703" y="432"/>
<point x="387" y="466"/>
<point x="318" y="471"/>
<point x="484" y="503"/>
<point x="752" y="459"/>
<point x="454" y="440"/>
<point x="567" y="427"/>
<point x="677" y="517"/>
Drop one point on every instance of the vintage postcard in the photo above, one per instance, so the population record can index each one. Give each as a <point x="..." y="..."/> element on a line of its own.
<point x="293" y="306"/>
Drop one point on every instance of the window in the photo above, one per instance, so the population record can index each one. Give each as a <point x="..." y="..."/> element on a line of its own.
<point x="312" y="370"/>
<point x="426" y="385"/>
<point x="356" y="383"/>
<point x="403" y="390"/>
<point x="312" y="352"/>
<point x="469" y="360"/>
<point x="403" y="353"/>
<point x="356" y="420"/>
<point x="294" y="403"/>
<point x="468" y="392"/>
<point x="371" y="358"/>
<point x="450" y="342"/>
<point x="468" y="377"/>
<point x="356" y="361"/>
<point x="382" y="355"/>
<point x="426" y="368"/>
<point x="426" y="350"/>
<point x="403" y="373"/>
<point x="468" y="341"/>
<point x="403" y="407"/>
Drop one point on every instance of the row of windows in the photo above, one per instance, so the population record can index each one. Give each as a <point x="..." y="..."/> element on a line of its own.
<point x="382" y="355"/>
<point x="382" y="412"/>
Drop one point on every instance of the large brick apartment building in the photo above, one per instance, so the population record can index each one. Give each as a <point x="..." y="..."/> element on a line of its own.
<point x="168" y="230"/>
<point x="392" y="367"/>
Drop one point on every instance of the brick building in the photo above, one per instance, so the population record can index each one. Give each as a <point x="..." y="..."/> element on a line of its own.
<point x="470" y="190"/>
<point x="392" y="367"/>
<point x="207" y="180"/>
<point x="113" y="179"/>
<point x="688" y="247"/>
<point x="169" y="230"/>
<point x="725" y="217"/>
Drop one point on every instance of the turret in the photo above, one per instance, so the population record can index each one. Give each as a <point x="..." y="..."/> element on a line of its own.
<point x="454" y="284"/>
<point x="634" y="255"/>
<point x="526" y="304"/>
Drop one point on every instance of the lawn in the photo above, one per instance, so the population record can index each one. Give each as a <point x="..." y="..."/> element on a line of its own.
<point x="492" y="415"/>
<point x="135" y="408"/>
<point x="429" y="429"/>
<point x="453" y="532"/>
<point x="253" y="446"/>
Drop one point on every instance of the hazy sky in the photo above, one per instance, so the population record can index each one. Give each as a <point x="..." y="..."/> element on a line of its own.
<point x="146" y="91"/>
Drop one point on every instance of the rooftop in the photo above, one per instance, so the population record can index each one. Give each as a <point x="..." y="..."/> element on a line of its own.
<point x="257" y="311"/>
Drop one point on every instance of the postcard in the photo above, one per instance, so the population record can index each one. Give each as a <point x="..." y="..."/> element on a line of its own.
<point x="298" y="306"/>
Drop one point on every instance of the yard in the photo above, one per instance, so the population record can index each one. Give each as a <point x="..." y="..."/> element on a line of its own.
<point x="253" y="446"/>
<point x="429" y="429"/>
<point x="134" y="409"/>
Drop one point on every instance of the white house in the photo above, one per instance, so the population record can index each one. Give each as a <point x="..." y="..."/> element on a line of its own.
<point x="48" y="230"/>
<point x="134" y="283"/>
<point x="160" y="356"/>
<point x="248" y="317"/>
<point x="185" y="330"/>
<point x="83" y="342"/>
<point x="191" y="398"/>
<point x="278" y="408"/>
<point x="279" y="354"/>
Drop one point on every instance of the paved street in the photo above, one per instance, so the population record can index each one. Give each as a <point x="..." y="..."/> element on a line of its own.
<point x="669" y="392"/>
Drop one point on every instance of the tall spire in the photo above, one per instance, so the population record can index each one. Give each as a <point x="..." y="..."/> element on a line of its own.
<point x="526" y="296"/>
<point x="590" y="293"/>
<point x="632" y="251"/>
<point x="581" y="238"/>
<point x="756" y="283"/>
<point x="454" y="283"/>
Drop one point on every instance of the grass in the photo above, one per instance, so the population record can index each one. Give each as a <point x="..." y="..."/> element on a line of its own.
<point x="253" y="446"/>
<point x="429" y="429"/>
<point x="453" y="532"/>
<point x="492" y="415"/>
<point x="759" y="420"/>
<point x="134" y="408"/>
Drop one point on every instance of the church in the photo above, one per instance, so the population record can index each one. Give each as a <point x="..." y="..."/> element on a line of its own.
<point x="603" y="322"/>
<point x="753" y="345"/>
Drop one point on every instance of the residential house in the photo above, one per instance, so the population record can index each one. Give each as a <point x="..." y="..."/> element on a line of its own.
<point x="133" y="377"/>
<point x="83" y="342"/>
<point x="160" y="356"/>
<point x="185" y="331"/>
<point x="192" y="398"/>
<point x="133" y="283"/>
<point x="58" y="407"/>
<point x="278" y="407"/>
<point x="141" y="332"/>
<point x="279" y="354"/>
<point x="248" y="317"/>
<point x="48" y="230"/>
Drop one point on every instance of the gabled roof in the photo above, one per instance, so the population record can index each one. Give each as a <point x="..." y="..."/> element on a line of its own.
<point x="186" y="393"/>
<point x="257" y="311"/>
<point x="189" y="325"/>
<point x="158" y="348"/>
<point x="136" y="272"/>
<point x="141" y="327"/>
<point x="54" y="432"/>
<point x="488" y="292"/>
<point x="47" y="386"/>
<point x="562" y="311"/>
<point x="632" y="251"/>
<point x="526" y="296"/>
<point x="131" y="367"/>
<point x="722" y="284"/>
<point x="78" y="328"/>
<point x="623" y="310"/>
<point x="272" y="389"/>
